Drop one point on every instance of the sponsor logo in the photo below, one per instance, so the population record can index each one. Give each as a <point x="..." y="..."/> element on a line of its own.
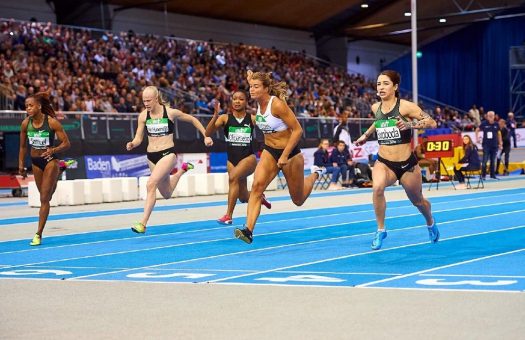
<point x="98" y="165"/>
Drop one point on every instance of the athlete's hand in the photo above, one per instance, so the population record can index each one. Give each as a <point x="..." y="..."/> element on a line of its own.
<point x="282" y="161"/>
<point x="403" y="125"/>
<point x="48" y="154"/>
<point x="22" y="172"/>
<point x="130" y="146"/>
<point x="217" y="108"/>
<point x="361" y="140"/>
<point x="249" y="75"/>
<point x="208" y="141"/>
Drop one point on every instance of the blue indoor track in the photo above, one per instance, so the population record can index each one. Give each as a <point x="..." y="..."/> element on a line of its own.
<point x="481" y="247"/>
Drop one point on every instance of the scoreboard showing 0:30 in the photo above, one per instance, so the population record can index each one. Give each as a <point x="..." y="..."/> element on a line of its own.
<point x="440" y="146"/>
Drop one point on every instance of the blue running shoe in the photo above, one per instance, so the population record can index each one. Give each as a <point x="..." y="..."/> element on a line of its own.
<point x="433" y="233"/>
<point x="377" y="242"/>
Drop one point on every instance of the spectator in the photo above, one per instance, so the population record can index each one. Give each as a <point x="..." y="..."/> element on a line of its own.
<point x="322" y="160"/>
<point x="469" y="162"/>
<point x="341" y="131"/>
<point x="342" y="157"/>
<point x="491" y="142"/>
<point x="511" y="126"/>
<point x="474" y="114"/>
<point x="505" y="137"/>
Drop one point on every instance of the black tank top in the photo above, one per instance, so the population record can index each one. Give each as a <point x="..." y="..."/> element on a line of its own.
<point x="239" y="135"/>
<point x="387" y="131"/>
<point x="40" y="138"/>
<point x="158" y="127"/>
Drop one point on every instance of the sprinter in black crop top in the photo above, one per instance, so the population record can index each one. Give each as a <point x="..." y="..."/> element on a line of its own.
<point x="238" y="129"/>
<point x="39" y="130"/>
<point x="157" y="119"/>
<point x="395" y="120"/>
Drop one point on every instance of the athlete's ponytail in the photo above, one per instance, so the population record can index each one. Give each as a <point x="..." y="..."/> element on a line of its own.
<point x="158" y="94"/>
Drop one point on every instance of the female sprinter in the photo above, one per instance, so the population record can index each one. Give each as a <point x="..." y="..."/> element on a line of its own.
<point x="238" y="132"/>
<point x="40" y="129"/>
<point x="158" y="119"/>
<point x="282" y="132"/>
<point x="395" y="119"/>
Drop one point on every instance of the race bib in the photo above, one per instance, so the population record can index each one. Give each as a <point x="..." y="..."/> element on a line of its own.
<point x="263" y="124"/>
<point x="157" y="127"/>
<point x="387" y="131"/>
<point x="239" y="135"/>
<point x="38" y="139"/>
<point x="489" y="135"/>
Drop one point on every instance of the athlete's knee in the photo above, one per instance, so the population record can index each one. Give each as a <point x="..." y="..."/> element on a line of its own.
<point x="378" y="191"/>
<point x="258" y="187"/>
<point x="420" y="202"/>
<point x="298" y="201"/>
<point x="152" y="185"/>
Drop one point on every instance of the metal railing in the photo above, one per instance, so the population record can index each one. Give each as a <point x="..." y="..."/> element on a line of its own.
<point x="122" y="126"/>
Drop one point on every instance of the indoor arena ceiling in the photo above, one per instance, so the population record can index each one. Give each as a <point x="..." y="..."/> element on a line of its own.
<point x="383" y="20"/>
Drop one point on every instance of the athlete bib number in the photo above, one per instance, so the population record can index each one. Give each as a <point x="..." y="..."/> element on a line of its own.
<point x="387" y="131"/>
<point x="157" y="127"/>
<point x="38" y="140"/>
<point x="489" y="135"/>
<point x="238" y="135"/>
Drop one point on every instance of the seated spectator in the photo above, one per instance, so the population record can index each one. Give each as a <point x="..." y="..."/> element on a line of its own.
<point x="424" y="162"/>
<point x="322" y="159"/>
<point x="342" y="157"/>
<point x="469" y="162"/>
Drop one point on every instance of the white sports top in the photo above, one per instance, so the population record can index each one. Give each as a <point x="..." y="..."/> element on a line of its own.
<point x="267" y="122"/>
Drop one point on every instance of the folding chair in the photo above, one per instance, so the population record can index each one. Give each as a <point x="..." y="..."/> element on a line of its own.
<point x="471" y="174"/>
<point x="323" y="181"/>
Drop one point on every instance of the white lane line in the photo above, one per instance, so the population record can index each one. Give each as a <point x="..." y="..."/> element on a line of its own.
<point x="266" y="222"/>
<point x="264" y="234"/>
<point x="440" y="267"/>
<point x="263" y="249"/>
<point x="242" y="252"/>
<point x="471" y="275"/>
<point x="364" y="253"/>
<point x="270" y="213"/>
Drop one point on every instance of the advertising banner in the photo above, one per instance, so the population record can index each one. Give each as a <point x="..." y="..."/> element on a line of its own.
<point x="116" y="166"/>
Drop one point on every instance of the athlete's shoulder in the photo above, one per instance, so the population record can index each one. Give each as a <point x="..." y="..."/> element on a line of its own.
<point x="25" y="123"/>
<point x="375" y="106"/>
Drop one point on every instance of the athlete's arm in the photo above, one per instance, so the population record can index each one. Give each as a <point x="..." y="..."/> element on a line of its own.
<point x="413" y="112"/>
<point x="139" y="134"/>
<point x="283" y="111"/>
<point x="190" y="119"/>
<point x="364" y="137"/>
<point x="23" y="147"/>
<point x="62" y="136"/>
<point x="216" y="121"/>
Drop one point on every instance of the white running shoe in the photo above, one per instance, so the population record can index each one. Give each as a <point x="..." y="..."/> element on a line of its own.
<point x="320" y="171"/>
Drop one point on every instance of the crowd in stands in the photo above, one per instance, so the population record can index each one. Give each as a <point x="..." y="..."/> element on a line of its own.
<point x="100" y="71"/>
<point x="96" y="71"/>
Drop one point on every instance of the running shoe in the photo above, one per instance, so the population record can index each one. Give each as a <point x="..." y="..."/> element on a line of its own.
<point x="320" y="171"/>
<point x="433" y="233"/>
<point x="243" y="234"/>
<point x="36" y="241"/>
<point x="64" y="164"/>
<point x="377" y="242"/>
<point x="187" y="166"/>
<point x="265" y="202"/>
<point x="226" y="220"/>
<point x="138" y="228"/>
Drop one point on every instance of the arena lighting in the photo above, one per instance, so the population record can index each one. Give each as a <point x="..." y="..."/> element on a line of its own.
<point x="442" y="20"/>
<point x="407" y="14"/>
<point x="364" y="5"/>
